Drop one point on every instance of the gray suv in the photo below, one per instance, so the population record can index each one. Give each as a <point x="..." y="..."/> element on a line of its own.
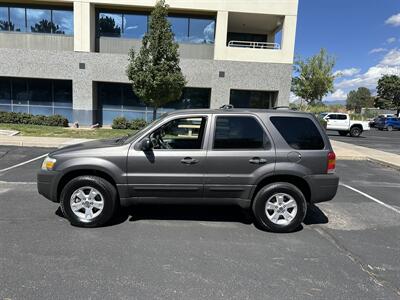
<point x="273" y="162"/>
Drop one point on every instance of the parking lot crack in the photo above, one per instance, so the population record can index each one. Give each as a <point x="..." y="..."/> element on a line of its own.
<point x="364" y="267"/>
<point x="3" y="154"/>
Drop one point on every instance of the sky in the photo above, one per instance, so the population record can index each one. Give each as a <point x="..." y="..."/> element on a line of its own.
<point x="363" y="35"/>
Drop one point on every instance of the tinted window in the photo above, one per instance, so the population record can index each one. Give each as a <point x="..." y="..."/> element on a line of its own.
<point x="180" y="27"/>
<point x="201" y="31"/>
<point x="63" y="21"/>
<point x="185" y="133"/>
<point x="342" y="117"/>
<point x="135" y="26"/>
<point x="333" y="117"/>
<point x="192" y="98"/>
<point x="19" y="91"/>
<point x="4" y="24"/>
<point x="17" y="18"/>
<point x="39" y="20"/>
<point x="252" y="99"/>
<point x="239" y="133"/>
<point x="299" y="133"/>
<point x="40" y="90"/>
<point x="5" y="91"/>
<point x="110" y="24"/>
<point x="63" y="93"/>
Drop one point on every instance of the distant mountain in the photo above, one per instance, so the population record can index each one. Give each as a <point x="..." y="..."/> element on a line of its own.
<point x="335" y="102"/>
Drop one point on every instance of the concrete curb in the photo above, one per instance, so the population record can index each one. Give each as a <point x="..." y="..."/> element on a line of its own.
<point x="39" y="141"/>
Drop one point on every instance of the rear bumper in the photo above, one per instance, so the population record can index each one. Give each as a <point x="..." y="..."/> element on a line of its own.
<point x="323" y="187"/>
<point x="47" y="184"/>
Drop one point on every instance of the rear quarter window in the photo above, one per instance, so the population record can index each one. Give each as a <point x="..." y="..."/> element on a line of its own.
<point x="300" y="133"/>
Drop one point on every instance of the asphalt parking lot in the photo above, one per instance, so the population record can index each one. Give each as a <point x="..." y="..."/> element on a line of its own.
<point x="380" y="140"/>
<point x="347" y="249"/>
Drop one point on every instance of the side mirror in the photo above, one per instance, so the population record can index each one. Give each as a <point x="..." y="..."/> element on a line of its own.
<point x="146" y="144"/>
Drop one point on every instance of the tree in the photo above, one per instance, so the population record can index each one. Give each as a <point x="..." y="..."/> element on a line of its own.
<point x="107" y="26"/>
<point x="314" y="78"/>
<point x="155" y="72"/>
<point x="389" y="89"/>
<point x="359" y="99"/>
<point x="46" y="27"/>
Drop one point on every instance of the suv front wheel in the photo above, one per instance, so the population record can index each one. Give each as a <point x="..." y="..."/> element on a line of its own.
<point x="88" y="201"/>
<point x="279" y="207"/>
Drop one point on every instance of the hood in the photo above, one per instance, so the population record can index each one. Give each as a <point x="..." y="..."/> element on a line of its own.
<point x="90" y="145"/>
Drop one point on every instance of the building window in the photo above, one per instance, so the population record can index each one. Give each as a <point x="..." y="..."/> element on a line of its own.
<point x="253" y="99"/>
<point x="118" y="99"/>
<point x="36" y="96"/>
<point x="193" y="30"/>
<point x="37" y="20"/>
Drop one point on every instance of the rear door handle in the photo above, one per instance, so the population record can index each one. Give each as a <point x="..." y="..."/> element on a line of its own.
<point x="257" y="161"/>
<point x="189" y="161"/>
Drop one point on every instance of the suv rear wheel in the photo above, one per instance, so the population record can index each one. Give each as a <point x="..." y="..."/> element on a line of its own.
<point x="279" y="207"/>
<point x="88" y="201"/>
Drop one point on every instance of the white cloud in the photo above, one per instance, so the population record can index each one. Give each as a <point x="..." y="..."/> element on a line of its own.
<point x="294" y="98"/>
<point x="391" y="40"/>
<point x="347" y="72"/>
<point x="394" y="20"/>
<point x="378" y="50"/>
<point x="339" y="94"/>
<point x="389" y="65"/>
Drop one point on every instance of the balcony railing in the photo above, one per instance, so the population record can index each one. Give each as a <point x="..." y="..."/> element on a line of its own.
<point x="254" y="45"/>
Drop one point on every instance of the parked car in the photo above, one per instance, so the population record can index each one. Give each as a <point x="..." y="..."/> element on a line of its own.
<point x="373" y="122"/>
<point x="341" y="122"/>
<point x="274" y="162"/>
<point x="388" y="124"/>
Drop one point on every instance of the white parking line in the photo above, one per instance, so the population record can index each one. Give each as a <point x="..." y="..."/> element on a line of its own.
<point x="23" y="163"/>
<point x="371" y="198"/>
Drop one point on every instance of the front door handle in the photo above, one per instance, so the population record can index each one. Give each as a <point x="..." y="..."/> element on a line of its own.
<point x="257" y="161"/>
<point x="189" y="161"/>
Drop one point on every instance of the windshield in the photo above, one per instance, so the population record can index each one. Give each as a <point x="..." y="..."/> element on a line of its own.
<point x="131" y="137"/>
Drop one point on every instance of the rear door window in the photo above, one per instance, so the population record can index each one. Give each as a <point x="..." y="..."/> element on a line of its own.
<point x="300" y="133"/>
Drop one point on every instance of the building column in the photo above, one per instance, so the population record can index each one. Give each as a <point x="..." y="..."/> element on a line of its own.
<point x="288" y="37"/>
<point x="221" y="35"/>
<point x="84" y="27"/>
<point x="84" y="101"/>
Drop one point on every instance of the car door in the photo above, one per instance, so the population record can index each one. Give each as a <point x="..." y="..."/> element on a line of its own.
<point x="342" y="122"/>
<point x="174" y="168"/>
<point x="332" y="120"/>
<point x="240" y="151"/>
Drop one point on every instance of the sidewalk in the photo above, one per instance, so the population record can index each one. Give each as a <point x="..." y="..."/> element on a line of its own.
<point x="347" y="151"/>
<point x="343" y="151"/>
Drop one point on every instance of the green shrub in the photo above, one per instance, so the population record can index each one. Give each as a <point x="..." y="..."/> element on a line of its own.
<point x="123" y="123"/>
<point x="120" y="123"/>
<point x="137" y="124"/>
<point x="24" y="118"/>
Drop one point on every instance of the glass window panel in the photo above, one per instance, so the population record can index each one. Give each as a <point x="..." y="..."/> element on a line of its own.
<point x="40" y="92"/>
<point x="40" y="110"/>
<point x="5" y="108"/>
<point x="4" y="23"/>
<point x="39" y="20"/>
<point x="65" y="112"/>
<point x="239" y="133"/>
<point x="21" y="109"/>
<point x="135" y="26"/>
<point x="5" y="91"/>
<point x="252" y="99"/>
<point x="20" y="93"/>
<point x="131" y="115"/>
<point x="63" y="21"/>
<point x="180" y="28"/>
<point x="63" y="93"/>
<point x="130" y="100"/>
<point x="110" y="24"/>
<point x="192" y="98"/>
<point x="110" y="115"/>
<point x="17" y="19"/>
<point x="109" y="95"/>
<point x="202" y="31"/>
<point x="299" y="133"/>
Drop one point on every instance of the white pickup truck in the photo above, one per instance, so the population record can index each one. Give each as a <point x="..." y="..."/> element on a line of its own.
<point x="342" y="123"/>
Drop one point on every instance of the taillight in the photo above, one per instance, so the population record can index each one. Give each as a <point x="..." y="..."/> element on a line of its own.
<point x="331" y="163"/>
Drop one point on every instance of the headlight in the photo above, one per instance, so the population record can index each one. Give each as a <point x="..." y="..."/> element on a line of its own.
<point x="48" y="164"/>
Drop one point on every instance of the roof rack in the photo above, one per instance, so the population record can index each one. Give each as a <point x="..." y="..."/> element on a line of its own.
<point x="281" y="107"/>
<point x="227" y="106"/>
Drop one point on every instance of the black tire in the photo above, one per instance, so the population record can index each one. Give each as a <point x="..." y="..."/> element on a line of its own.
<point x="380" y="129"/>
<point x="343" y="133"/>
<point x="355" y="131"/>
<point x="390" y="128"/>
<point x="260" y="201"/>
<point x="105" y="188"/>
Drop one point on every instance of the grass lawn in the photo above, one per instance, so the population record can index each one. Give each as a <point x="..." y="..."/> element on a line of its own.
<point x="52" y="131"/>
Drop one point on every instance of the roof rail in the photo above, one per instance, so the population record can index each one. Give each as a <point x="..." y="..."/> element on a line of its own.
<point x="282" y="107"/>
<point x="227" y="106"/>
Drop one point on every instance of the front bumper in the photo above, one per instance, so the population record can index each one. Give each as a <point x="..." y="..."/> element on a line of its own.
<point x="47" y="184"/>
<point x="323" y="187"/>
